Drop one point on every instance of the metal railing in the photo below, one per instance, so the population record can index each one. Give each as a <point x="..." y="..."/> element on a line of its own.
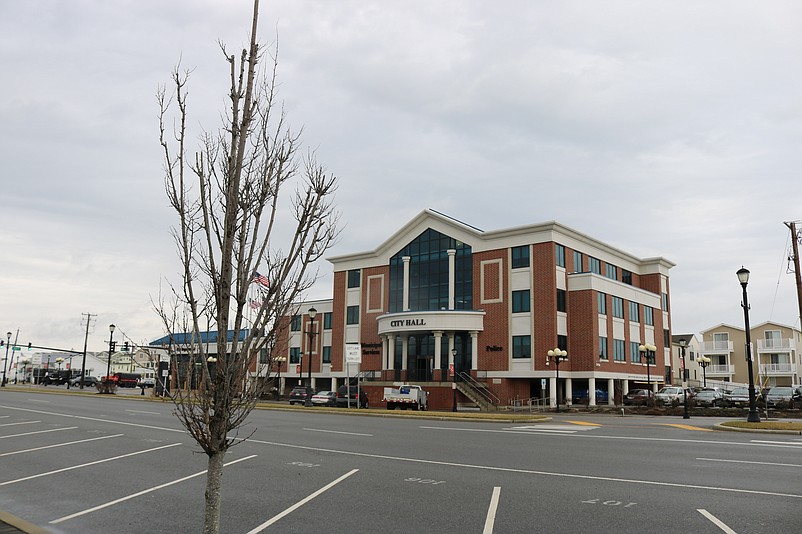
<point x="532" y="404"/>
<point x="479" y="388"/>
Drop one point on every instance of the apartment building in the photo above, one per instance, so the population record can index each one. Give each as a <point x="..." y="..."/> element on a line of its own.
<point x="774" y="349"/>
<point x="471" y="313"/>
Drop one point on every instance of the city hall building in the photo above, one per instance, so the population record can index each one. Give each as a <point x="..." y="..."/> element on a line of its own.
<point x="471" y="316"/>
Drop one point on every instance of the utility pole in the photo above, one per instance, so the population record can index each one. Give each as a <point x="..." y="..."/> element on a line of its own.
<point x="797" y="273"/>
<point x="86" y="339"/>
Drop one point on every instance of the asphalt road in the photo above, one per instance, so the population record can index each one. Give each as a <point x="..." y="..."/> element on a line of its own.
<point x="99" y="464"/>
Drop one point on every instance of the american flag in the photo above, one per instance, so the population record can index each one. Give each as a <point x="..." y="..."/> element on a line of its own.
<point x="255" y="304"/>
<point x="260" y="279"/>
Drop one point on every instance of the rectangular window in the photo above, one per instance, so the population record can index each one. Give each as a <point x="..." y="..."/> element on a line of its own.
<point x="520" y="257"/>
<point x="578" y="262"/>
<point x="648" y="315"/>
<point x="594" y="265"/>
<point x="521" y="347"/>
<point x="634" y="312"/>
<point x="295" y="355"/>
<point x="327" y="321"/>
<point x="626" y="276"/>
<point x="618" y="350"/>
<point x="603" y="348"/>
<point x="295" y="324"/>
<point x="263" y="356"/>
<point x="618" y="307"/>
<point x="634" y="353"/>
<point x="354" y="278"/>
<point x="559" y="252"/>
<point x="520" y="301"/>
<point x="352" y="315"/>
<point x="561" y="306"/>
<point x="665" y="301"/>
<point x="611" y="271"/>
<point x="602" y="303"/>
<point x="666" y="338"/>
<point x="326" y="354"/>
<point x="562" y="342"/>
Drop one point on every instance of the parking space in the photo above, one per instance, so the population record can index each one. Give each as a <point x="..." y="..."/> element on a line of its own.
<point x="125" y="466"/>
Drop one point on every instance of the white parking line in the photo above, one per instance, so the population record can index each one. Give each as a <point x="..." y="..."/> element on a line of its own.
<point x="143" y="411"/>
<point x="713" y="519"/>
<point x="533" y="471"/>
<point x="20" y="423"/>
<point x="111" y="421"/>
<point x="59" y="445"/>
<point x="38" y="432"/>
<point x="490" y="520"/>
<point x="86" y="464"/>
<point x="748" y="462"/>
<point x="338" y="432"/>
<point x="300" y="503"/>
<point x="140" y="493"/>
<point x="786" y="444"/>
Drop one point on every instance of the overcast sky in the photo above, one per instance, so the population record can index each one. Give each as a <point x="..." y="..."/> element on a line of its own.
<point x="661" y="128"/>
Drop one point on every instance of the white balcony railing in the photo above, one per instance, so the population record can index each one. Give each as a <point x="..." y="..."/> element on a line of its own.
<point x="716" y="346"/>
<point x="776" y="369"/>
<point x="720" y="370"/>
<point x="783" y="345"/>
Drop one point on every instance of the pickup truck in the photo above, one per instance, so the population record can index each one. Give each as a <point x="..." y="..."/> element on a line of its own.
<point x="406" y="396"/>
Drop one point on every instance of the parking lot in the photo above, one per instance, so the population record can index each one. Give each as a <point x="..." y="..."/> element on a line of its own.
<point x="93" y="463"/>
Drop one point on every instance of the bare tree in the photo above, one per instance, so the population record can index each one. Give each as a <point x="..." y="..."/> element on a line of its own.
<point x="234" y="222"/>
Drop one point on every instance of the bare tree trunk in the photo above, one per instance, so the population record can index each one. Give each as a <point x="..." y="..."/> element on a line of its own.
<point x="214" y="482"/>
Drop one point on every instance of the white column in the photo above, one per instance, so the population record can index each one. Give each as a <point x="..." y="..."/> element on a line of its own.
<point x="404" y="352"/>
<point x="569" y="391"/>
<point x="438" y="357"/>
<point x="451" y="277"/>
<point x="553" y="391"/>
<point x="405" y="293"/>
<point x="611" y="391"/>
<point x="390" y="351"/>
<point x="451" y="352"/>
<point x="474" y="350"/>
<point x="591" y="391"/>
<point x="624" y="387"/>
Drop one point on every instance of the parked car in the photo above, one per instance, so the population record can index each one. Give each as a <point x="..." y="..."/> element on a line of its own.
<point x="299" y="393"/>
<point x="782" y="397"/>
<point x="89" y="381"/>
<point x="580" y="396"/>
<point x="324" y="398"/>
<point x="637" y="397"/>
<point x="738" y="397"/>
<point x="146" y="382"/>
<point x="343" y="400"/>
<point x="669" y="395"/>
<point x="710" y="397"/>
<point x="57" y="378"/>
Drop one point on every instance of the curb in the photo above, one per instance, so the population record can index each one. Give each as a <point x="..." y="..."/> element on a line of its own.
<point x="727" y="428"/>
<point x="20" y="524"/>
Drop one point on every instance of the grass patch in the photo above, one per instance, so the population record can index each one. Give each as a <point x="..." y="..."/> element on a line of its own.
<point x="765" y="425"/>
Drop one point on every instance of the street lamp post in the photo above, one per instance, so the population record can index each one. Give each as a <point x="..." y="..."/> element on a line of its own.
<point x="111" y="349"/>
<point x="685" y="414"/>
<point x="8" y="342"/>
<point x="557" y="355"/>
<point x="454" y="380"/>
<point x="312" y="313"/>
<point x="648" y="351"/>
<point x="279" y="361"/>
<point x="754" y="416"/>
<point x="703" y="362"/>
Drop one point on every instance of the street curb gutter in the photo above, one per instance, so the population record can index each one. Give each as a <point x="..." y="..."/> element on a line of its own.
<point x="721" y="426"/>
<point x="21" y="524"/>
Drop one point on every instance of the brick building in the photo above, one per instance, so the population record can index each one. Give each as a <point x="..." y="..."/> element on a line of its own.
<point x="446" y="305"/>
